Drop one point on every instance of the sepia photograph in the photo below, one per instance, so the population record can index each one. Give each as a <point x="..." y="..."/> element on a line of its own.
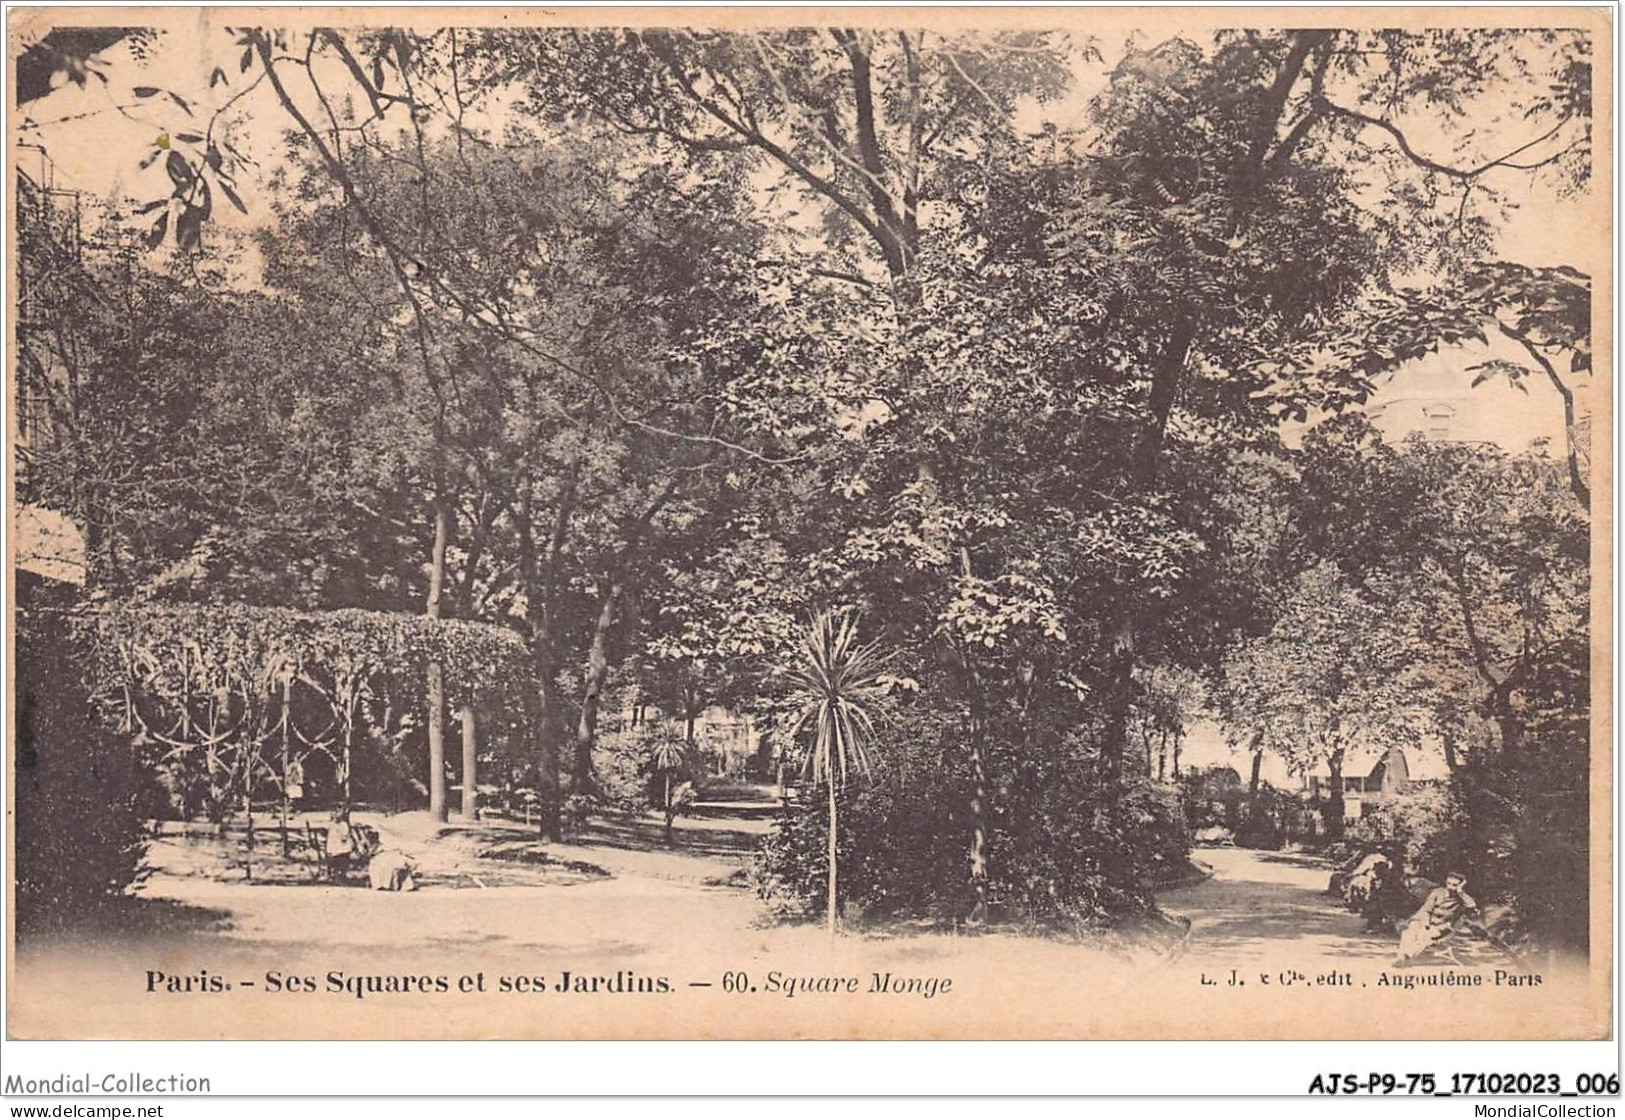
<point x="683" y="523"/>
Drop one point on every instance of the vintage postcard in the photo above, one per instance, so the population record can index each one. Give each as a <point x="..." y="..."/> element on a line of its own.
<point x="1060" y="523"/>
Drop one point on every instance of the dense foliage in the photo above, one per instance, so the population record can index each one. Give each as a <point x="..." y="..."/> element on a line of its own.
<point x="230" y="703"/>
<point x="1447" y="599"/>
<point x="724" y="331"/>
<point x="78" y="788"/>
<point x="1065" y="855"/>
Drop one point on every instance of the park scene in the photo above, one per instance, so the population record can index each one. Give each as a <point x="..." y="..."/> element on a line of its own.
<point x="666" y="504"/>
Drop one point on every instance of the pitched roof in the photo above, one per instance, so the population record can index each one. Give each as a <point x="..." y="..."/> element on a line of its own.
<point x="1424" y="762"/>
<point x="1358" y="762"/>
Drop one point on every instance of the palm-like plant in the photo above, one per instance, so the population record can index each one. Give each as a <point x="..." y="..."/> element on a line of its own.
<point x="667" y="756"/>
<point x="839" y="684"/>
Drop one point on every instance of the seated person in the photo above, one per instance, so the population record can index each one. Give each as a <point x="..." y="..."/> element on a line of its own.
<point x="1388" y="901"/>
<point x="1444" y="907"/>
<point x="340" y="844"/>
<point x="1339" y="884"/>
<point x="391" y="870"/>
<point x="1364" y="878"/>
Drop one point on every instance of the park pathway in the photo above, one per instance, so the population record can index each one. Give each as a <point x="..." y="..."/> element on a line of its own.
<point x="1266" y="905"/>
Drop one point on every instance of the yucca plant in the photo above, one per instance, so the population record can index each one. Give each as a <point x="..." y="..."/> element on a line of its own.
<point x="839" y="684"/>
<point x="667" y="755"/>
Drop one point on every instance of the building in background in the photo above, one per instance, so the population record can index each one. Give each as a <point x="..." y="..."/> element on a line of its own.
<point x="1372" y="776"/>
<point x="1436" y="397"/>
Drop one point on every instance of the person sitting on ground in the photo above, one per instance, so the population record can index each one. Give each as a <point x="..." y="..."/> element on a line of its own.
<point x="1388" y="901"/>
<point x="1338" y="885"/>
<point x="1364" y="877"/>
<point x="1444" y="907"/>
<point x="390" y="869"/>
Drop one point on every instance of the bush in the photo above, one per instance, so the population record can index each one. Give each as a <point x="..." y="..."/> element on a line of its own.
<point x="890" y="855"/>
<point x="79" y="835"/>
<point x="1271" y="818"/>
<point x="1075" y="855"/>
<point x="628" y="779"/>
<point x="1061" y="854"/>
<point x="1550" y="845"/>
<point x="620" y="763"/>
<point x="1420" y="824"/>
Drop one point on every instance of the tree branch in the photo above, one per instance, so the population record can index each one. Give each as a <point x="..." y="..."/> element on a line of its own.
<point x="1578" y="484"/>
<point x="1463" y="174"/>
<point x="758" y="139"/>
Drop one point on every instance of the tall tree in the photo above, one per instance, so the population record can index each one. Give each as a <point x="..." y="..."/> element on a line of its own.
<point x="1323" y="681"/>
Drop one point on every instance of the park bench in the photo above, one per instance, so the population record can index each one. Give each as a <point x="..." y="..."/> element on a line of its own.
<point x="312" y="841"/>
<point x="364" y="841"/>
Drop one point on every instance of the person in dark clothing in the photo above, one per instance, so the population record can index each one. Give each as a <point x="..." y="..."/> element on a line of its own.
<point x="1387" y="901"/>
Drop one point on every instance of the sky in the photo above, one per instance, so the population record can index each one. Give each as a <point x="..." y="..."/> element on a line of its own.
<point x="97" y="135"/>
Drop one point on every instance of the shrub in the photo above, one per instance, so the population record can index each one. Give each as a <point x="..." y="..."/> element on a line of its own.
<point x="1550" y="772"/>
<point x="620" y="763"/>
<point x="1419" y="823"/>
<point x="891" y="846"/>
<point x="629" y="779"/>
<point x="1271" y="818"/>
<point x="1062" y="855"/>
<point x="79" y="835"/>
<point x="1076" y="855"/>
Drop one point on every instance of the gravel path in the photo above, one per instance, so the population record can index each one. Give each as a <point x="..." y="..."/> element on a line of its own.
<point x="1258" y="904"/>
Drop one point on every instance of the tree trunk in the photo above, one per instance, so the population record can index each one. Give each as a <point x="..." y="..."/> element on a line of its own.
<point x="471" y="797"/>
<point x="437" y="672"/>
<point x="548" y="732"/>
<point x="1334" y="805"/>
<point x="287" y="689"/>
<point x="978" y="809"/>
<point x="1166" y="375"/>
<point x="976" y="727"/>
<point x="597" y="671"/>
<point x="437" y="742"/>
<point x="543" y="728"/>
<point x="1507" y="721"/>
<point x="1165" y="379"/>
<point x="1578" y="482"/>
<point x="832" y="908"/>
<point x="1179" y="737"/>
<point x="95" y="563"/>
<point x="1119" y="700"/>
<point x="248" y="813"/>
<point x="544" y="706"/>
<point x="669" y="813"/>
<point x="1253" y="807"/>
<point x="349" y="750"/>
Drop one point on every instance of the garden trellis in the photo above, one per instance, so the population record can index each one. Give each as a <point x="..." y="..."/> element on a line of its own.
<point x="233" y="701"/>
